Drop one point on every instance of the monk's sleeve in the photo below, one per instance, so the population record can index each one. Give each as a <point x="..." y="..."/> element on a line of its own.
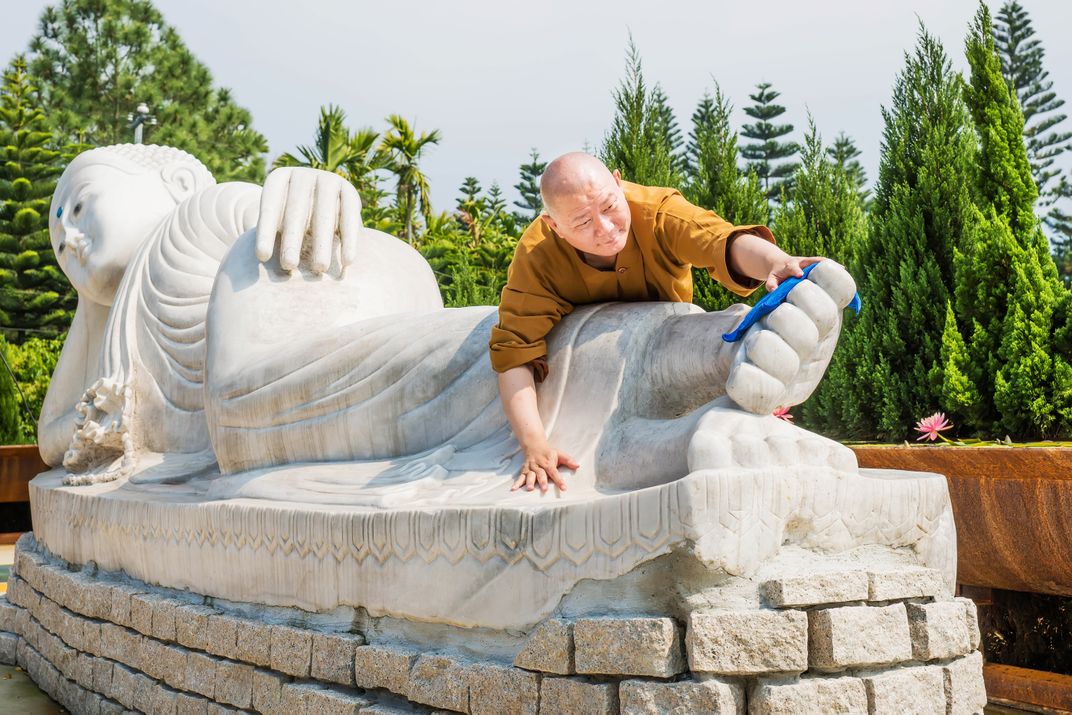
<point x="700" y="237"/>
<point x="529" y="308"/>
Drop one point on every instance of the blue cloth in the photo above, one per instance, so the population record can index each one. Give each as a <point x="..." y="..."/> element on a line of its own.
<point x="771" y="301"/>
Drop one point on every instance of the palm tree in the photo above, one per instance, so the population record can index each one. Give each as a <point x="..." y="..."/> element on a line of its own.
<point x="351" y="155"/>
<point x="402" y="149"/>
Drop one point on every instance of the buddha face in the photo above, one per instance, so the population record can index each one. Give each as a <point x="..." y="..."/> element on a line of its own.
<point x="100" y="216"/>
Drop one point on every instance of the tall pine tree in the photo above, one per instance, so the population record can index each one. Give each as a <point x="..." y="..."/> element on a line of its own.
<point x="1021" y="56"/>
<point x="531" y="202"/>
<point x="714" y="182"/>
<point x="765" y="152"/>
<point x="1006" y="376"/>
<point x="34" y="295"/>
<point x="95" y="60"/>
<point x="644" y="138"/>
<point x="903" y="269"/>
<point x="843" y="153"/>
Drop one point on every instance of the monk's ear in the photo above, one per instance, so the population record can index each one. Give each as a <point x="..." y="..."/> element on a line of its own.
<point x="550" y="222"/>
<point x="617" y="176"/>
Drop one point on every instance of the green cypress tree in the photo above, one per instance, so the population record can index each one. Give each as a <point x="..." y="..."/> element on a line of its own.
<point x="34" y="293"/>
<point x="881" y="371"/>
<point x="531" y="202"/>
<point x="641" y="141"/>
<point x="95" y="60"/>
<point x="1006" y="282"/>
<point x="766" y="150"/>
<point x="1021" y="55"/>
<point x="843" y="153"/>
<point x="825" y="217"/>
<point x="714" y="182"/>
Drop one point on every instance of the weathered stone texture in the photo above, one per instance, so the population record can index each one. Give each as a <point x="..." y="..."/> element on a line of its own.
<point x="7" y="615"/>
<point x="201" y="674"/>
<point x="191" y="626"/>
<point x="907" y="582"/>
<point x="334" y="701"/>
<point x="971" y="615"/>
<point x="854" y="636"/>
<point x="253" y="642"/>
<point x="267" y="690"/>
<point x="141" y="613"/>
<point x="164" y="619"/>
<point x="844" y="695"/>
<point x="187" y="704"/>
<point x="965" y="691"/>
<point x="938" y="630"/>
<point x="577" y="695"/>
<point x="122" y="604"/>
<point x="439" y="681"/>
<point x="907" y="691"/>
<point x="628" y="646"/>
<point x="495" y="690"/>
<point x="162" y="701"/>
<point x="9" y="645"/>
<point x="333" y="657"/>
<point x="645" y="697"/>
<point x="383" y="667"/>
<point x="549" y="648"/>
<point x="234" y="683"/>
<point x="222" y="635"/>
<point x="816" y="589"/>
<point x="748" y="642"/>
<point x="291" y="651"/>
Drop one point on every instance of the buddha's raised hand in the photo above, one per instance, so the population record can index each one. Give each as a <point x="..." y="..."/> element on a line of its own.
<point x="307" y="209"/>
<point x="784" y="355"/>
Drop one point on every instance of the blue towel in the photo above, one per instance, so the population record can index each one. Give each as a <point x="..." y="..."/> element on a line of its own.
<point x="771" y="301"/>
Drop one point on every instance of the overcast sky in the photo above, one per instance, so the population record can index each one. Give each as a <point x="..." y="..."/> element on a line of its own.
<point x="497" y="78"/>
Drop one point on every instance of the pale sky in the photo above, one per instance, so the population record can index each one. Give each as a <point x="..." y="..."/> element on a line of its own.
<point x="497" y="78"/>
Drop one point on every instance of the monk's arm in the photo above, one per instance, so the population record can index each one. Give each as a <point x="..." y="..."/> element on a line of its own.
<point x="752" y="256"/>
<point x="517" y="388"/>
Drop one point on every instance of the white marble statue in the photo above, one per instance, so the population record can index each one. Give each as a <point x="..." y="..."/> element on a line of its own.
<point x="194" y="335"/>
<point x="259" y="399"/>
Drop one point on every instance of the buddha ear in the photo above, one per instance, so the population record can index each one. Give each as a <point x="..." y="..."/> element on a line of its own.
<point x="181" y="181"/>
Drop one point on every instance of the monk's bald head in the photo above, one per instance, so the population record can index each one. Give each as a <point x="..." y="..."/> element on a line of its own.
<point x="586" y="205"/>
<point x="570" y="175"/>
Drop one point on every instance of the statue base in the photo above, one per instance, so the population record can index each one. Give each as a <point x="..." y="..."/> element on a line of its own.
<point x="865" y="631"/>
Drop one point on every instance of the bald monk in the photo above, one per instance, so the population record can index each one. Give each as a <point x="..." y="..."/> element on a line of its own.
<point x="603" y="239"/>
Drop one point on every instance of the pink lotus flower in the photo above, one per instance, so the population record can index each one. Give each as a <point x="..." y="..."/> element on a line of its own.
<point x="782" y="413"/>
<point x="931" y="426"/>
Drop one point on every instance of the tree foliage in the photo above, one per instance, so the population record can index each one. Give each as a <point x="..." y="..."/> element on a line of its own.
<point x="353" y="155"/>
<point x="95" y="60"/>
<point x="1021" y="54"/>
<point x="644" y="140"/>
<point x="713" y="181"/>
<point x="905" y="266"/>
<point x="765" y="153"/>
<point x="34" y="293"/>
<point x="1008" y="380"/>
<point x="531" y="202"/>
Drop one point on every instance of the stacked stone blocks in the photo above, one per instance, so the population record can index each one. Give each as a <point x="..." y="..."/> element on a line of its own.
<point x="850" y="642"/>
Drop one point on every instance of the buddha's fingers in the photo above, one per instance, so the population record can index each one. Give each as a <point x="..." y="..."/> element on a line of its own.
<point x="835" y="282"/>
<point x="325" y="215"/>
<point x="273" y="198"/>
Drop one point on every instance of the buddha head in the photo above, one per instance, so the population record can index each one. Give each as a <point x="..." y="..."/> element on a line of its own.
<point x="106" y="205"/>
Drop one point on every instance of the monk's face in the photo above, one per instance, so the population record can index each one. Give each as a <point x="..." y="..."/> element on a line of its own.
<point x="100" y="217"/>
<point x="593" y="217"/>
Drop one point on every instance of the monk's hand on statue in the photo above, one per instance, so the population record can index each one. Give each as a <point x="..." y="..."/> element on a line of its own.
<point x="786" y="266"/>
<point x="306" y="210"/>
<point x="541" y="467"/>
